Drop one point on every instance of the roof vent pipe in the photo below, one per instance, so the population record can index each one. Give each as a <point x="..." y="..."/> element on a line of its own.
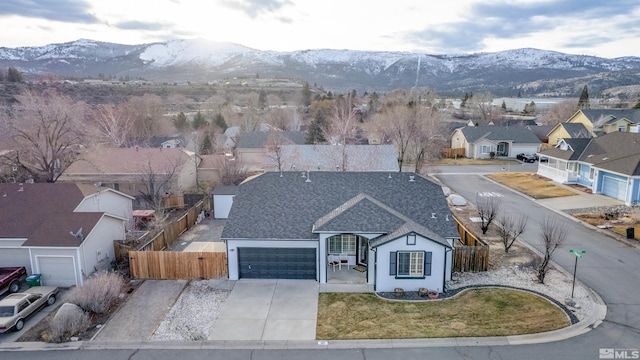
<point x="433" y="215"/>
<point x="412" y="178"/>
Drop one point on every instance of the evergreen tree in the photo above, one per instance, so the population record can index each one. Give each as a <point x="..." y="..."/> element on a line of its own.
<point x="219" y="121"/>
<point x="262" y="99"/>
<point x="207" y="146"/>
<point x="13" y="75"/>
<point x="583" y="103"/>
<point x="317" y="128"/>
<point x="504" y="106"/>
<point x="306" y="94"/>
<point x="181" y="122"/>
<point x="198" y="121"/>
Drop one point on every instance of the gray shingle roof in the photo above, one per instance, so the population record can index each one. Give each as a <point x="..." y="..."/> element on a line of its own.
<point x="517" y="134"/>
<point x="257" y="139"/>
<point x="225" y="190"/>
<point x="360" y="214"/>
<point x="617" y="151"/>
<point x="594" y="115"/>
<point x="576" y="130"/>
<point x="577" y="146"/>
<point x="286" y="206"/>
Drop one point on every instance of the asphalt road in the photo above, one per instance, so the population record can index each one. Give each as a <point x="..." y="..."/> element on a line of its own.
<point x="609" y="267"/>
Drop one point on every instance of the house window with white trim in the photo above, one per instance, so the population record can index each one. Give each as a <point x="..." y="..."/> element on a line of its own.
<point x="486" y="149"/>
<point x="342" y="244"/>
<point x="591" y="173"/>
<point x="622" y="127"/>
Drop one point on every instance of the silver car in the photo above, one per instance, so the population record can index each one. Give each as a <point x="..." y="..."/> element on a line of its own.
<point x="16" y="308"/>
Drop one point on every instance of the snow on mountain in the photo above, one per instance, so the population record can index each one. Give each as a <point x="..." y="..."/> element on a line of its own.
<point x="185" y="51"/>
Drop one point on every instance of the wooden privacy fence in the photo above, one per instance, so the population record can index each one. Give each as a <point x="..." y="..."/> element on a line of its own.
<point x="177" y="265"/>
<point x="453" y="153"/>
<point x="473" y="254"/>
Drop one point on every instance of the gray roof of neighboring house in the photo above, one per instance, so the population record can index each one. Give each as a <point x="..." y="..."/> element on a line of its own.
<point x="327" y="157"/>
<point x="541" y="131"/>
<point x="617" y="151"/>
<point x="576" y="130"/>
<point x="225" y="190"/>
<point x="577" y="146"/>
<point x="594" y="115"/>
<point x="287" y="206"/>
<point x="517" y="134"/>
<point x="257" y="139"/>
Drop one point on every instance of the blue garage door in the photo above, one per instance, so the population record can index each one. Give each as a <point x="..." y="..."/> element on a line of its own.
<point x="277" y="263"/>
<point x="613" y="187"/>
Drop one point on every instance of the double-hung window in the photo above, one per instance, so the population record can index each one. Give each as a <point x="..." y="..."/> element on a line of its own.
<point x="410" y="264"/>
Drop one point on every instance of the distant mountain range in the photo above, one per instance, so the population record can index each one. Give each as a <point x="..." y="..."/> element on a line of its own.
<point x="507" y="73"/>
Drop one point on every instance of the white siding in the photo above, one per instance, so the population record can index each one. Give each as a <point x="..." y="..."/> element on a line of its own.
<point x="14" y="256"/>
<point x="98" y="245"/>
<point x="386" y="282"/>
<point x="233" y="245"/>
<point x="109" y="202"/>
<point x="222" y="205"/>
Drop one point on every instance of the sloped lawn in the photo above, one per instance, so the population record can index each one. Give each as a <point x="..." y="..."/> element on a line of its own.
<point x="531" y="184"/>
<point x="476" y="312"/>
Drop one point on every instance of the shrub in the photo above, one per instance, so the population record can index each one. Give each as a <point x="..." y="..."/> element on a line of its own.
<point x="97" y="293"/>
<point x="62" y="327"/>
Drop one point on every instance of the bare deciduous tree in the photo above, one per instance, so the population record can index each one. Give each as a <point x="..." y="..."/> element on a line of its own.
<point x="114" y="123"/>
<point x="558" y="113"/>
<point x="273" y="148"/>
<point x="511" y="228"/>
<point x="232" y="172"/>
<point x="554" y="235"/>
<point x="47" y="130"/>
<point x="156" y="182"/>
<point x="146" y="113"/>
<point x="430" y="137"/>
<point x="488" y="208"/>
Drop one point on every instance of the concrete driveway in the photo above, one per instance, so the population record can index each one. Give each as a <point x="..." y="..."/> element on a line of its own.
<point x="269" y="310"/>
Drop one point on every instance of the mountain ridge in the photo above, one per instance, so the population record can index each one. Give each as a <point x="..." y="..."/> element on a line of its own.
<point x="201" y="60"/>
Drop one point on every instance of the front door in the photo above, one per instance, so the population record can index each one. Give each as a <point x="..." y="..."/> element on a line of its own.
<point x="362" y="249"/>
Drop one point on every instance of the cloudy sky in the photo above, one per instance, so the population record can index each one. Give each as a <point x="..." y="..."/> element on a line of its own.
<point x="606" y="28"/>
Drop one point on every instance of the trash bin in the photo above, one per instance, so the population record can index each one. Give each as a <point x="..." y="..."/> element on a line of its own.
<point x="630" y="233"/>
<point x="33" y="280"/>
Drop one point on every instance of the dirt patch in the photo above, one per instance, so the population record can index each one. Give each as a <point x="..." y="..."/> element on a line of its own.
<point x="34" y="334"/>
<point x="615" y="220"/>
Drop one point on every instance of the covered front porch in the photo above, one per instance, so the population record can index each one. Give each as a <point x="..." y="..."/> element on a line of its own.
<point x="346" y="260"/>
<point x="558" y="170"/>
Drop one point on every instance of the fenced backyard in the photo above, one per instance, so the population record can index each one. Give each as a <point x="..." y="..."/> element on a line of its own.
<point x="471" y="254"/>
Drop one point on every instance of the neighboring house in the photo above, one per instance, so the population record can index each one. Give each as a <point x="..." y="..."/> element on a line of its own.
<point x="167" y="142"/>
<point x="608" y="164"/>
<point x="480" y="142"/>
<point x="130" y="170"/>
<point x="209" y="168"/>
<point x="62" y="231"/>
<point x="396" y="225"/>
<point x="541" y="131"/>
<point x="223" y="199"/>
<point x="251" y="146"/>
<point x="595" y="122"/>
<point x="332" y="157"/>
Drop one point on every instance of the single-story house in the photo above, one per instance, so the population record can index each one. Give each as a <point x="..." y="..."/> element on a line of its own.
<point x="332" y="157"/>
<point x="63" y="231"/>
<point x="586" y="123"/>
<point x="397" y="227"/>
<point x="480" y="142"/>
<point x="608" y="164"/>
<point x="251" y="146"/>
<point x="129" y="170"/>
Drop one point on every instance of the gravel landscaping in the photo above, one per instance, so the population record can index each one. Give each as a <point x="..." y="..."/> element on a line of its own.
<point x="193" y="314"/>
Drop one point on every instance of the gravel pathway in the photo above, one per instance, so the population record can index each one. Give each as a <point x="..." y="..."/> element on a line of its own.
<point x="193" y="314"/>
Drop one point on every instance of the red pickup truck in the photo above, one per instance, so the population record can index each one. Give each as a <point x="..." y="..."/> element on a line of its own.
<point x="10" y="278"/>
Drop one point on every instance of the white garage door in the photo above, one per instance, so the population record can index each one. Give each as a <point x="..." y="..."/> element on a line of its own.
<point x="15" y="257"/>
<point x="613" y="187"/>
<point x="57" y="271"/>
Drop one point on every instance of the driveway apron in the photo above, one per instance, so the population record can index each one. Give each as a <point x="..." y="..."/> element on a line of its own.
<point x="269" y="310"/>
<point x="139" y="317"/>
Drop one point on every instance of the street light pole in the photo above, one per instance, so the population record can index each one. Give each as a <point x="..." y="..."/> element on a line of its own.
<point x="578" y="254"/>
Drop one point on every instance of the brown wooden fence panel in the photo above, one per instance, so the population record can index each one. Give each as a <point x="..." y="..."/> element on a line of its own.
<point x="471" y="258"/>
<point x="453" y="153"/>
<point x="177" y="265"/>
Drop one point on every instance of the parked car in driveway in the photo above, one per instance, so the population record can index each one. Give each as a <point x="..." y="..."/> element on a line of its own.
<point x="16" y="308"/>
<point x="527" y="157"/>
<point x="10" y="278"/>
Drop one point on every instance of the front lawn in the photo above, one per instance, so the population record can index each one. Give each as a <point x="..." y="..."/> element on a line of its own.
<point x="476" y="312"/>
<point x="465" y="161"/>
<point x="531" y="184"/>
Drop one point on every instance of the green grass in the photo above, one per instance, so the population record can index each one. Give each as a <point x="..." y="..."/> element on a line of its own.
<point x="476" y="312"/>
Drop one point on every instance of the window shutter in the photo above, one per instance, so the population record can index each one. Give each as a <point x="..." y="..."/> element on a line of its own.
<point x="392" y="263"/>
<point x="427" y="263"/>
